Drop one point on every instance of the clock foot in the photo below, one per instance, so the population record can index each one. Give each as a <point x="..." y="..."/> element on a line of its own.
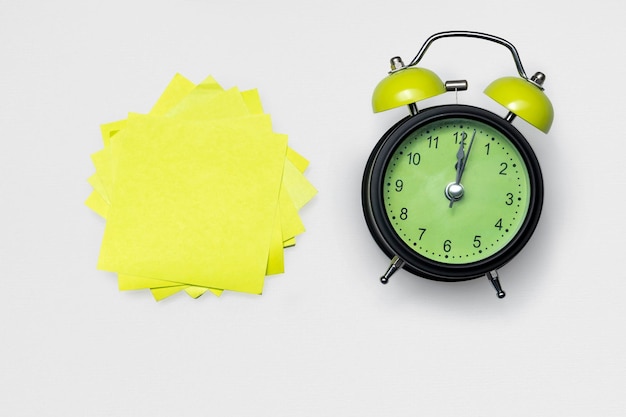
<point x="493" y="277"/>
<point x="396" y="263"/>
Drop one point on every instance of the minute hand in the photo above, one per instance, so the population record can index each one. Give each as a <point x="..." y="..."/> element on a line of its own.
<point x="463" y="162"/>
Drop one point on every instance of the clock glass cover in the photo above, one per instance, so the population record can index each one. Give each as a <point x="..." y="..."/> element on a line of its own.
<point x="455" y="191"/>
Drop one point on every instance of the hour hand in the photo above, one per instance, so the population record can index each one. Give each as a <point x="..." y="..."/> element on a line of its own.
<point x="460" y="160"/>
<point x="454" y="190"/>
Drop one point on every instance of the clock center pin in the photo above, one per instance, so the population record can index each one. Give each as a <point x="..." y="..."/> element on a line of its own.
<point x="454" y="191"/>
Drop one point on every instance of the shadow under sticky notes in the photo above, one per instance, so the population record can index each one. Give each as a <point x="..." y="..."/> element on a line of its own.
<point x="199" y="195"/>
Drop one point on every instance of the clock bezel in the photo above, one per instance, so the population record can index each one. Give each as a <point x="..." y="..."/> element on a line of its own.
<point x="383" y="232"/>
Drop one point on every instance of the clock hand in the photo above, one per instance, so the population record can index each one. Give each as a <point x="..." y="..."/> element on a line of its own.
<point x="454" y="191"/>
<point x="460" y="155"/>
<point x="469" y="149"/>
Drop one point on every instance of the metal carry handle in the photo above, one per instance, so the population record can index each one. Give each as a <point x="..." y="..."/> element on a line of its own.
<point x="469" y="34"/>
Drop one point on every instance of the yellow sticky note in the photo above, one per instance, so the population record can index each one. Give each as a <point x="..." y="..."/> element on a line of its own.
<point x="300" y="190"/>
<point x="276" y="260"/>
<point x="164" y="292"/>
<point x="96" y="203"/>
<point x="203" y="104"/>
<point x="290" y="223"/>
<point x="299" y="161"/>
<point x="195" y="227"/>
<point x="178" y="88"/>
<point x="195" y="292"/>
<point x="172" y="224"/>
<point x="253" y="101"/>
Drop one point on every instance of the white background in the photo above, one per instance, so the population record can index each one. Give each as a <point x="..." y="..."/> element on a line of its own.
<point x="325" y="338"/>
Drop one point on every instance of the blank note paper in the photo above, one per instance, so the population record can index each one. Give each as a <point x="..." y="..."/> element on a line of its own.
<point x="199" y="195"/>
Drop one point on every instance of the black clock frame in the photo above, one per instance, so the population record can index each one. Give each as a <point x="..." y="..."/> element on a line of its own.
<point x="384" y="234"/>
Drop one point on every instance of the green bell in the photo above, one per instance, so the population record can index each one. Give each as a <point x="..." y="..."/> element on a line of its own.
<point x="524" y="98"/>
<point x="406" y="86"/>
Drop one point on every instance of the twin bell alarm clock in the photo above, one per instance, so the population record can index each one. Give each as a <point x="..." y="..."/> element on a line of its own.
<point x="454" y="192"/>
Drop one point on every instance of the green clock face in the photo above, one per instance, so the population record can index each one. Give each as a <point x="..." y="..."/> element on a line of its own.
<point x="454" y="191"/>
<point x="450" y="222"/>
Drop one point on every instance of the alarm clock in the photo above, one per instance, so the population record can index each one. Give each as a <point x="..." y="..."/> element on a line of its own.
<point x="454" y="192"/>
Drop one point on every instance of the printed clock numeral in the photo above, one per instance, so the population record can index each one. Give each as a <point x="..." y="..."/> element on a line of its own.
<point x="414" y="158"/>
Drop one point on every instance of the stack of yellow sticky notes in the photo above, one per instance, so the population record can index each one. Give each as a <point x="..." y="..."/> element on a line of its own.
<point x="199" y="195"/>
